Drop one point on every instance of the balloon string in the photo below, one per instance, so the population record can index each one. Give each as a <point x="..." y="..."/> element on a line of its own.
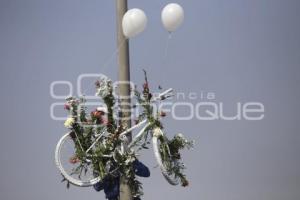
<point x="167" y="47"/>
<point x="106" y="63"/>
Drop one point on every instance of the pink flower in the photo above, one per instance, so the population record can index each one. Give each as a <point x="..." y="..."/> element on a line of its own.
<point x="67" y="107"/>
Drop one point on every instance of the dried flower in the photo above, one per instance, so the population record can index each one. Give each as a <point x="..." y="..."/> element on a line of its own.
<point x="67" y="106"/>
<point x="97" y="83"/>
<point x="73" y="135"/>
<point x="145" y="86"/>
<point x="97" y="114"/>
<point x="163" y="114"/>
<point x="74" y="160"/>
<point x="184" y="183"/>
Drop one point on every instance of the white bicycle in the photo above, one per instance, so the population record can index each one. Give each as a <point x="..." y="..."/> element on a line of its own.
<point x="66" y="149"/>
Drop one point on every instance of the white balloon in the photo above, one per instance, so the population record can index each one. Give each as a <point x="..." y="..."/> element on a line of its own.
<point x="134" y="22"/>
<point x="172" y="16"/>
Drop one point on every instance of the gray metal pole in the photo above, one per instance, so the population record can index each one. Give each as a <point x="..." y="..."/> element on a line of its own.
<point x="124" y="87"/>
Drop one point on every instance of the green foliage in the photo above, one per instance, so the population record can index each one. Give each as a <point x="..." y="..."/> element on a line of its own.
<point x="105" y="156"/>
<point x="170" y="153"/>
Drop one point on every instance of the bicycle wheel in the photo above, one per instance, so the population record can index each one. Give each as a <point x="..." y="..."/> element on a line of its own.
<point x="164" y="164"/>
<point x="76" y="172"/>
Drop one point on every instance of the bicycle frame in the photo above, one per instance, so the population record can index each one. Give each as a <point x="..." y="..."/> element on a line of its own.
<point x="161" y="96"/>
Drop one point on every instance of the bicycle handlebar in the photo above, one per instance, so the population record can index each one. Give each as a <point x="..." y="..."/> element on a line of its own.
<point x="162" y="95"/>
